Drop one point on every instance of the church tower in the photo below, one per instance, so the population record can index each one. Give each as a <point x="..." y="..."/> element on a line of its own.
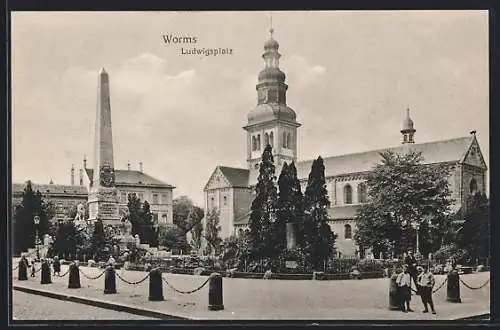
<point x="271" y="121"/>
<point x="408" y="131"/>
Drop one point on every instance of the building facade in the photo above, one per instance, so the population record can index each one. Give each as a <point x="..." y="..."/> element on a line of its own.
<point x="272" y="121"/>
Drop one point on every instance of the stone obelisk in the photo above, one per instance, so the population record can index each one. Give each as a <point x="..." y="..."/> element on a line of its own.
<point x="103" y="197"/>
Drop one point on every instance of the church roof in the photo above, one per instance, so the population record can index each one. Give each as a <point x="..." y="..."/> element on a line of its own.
<point x="55" y="189"/>
<point x="132" y="178"/>
<point x="271" y="111"/>
<point x="237" y="177"/>
<point x="451" y="150"/>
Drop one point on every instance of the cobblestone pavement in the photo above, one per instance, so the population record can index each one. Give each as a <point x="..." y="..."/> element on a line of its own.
<point x="281" y="299"/>
<point x="26" y="306"/>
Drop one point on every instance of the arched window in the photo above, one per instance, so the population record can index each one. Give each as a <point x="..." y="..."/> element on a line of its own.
<point x="271" y="139"/>
<point x="258" y="142"/>
<point x="266" y="140"/>
<point x="213" y="202"/>
<point x="289" y="141"/>
<point x="347" y="194"/>
<point x="347" y="231"/>
<point x="225" y="200"/>
<point x="362" y="193"/>
<point x="473" y="186"/>
<point x="240" y="232"/>
<point x="254" y="143"/>
<point x="284" y="140"/>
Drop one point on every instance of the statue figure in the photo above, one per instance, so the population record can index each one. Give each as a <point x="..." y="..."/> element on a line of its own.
<point x="79" y="220"/>
<point x="47" y="240"/>
<point x="137" y="240"/>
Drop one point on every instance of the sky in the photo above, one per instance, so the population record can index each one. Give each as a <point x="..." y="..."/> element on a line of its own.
<point x="351" y="76"/>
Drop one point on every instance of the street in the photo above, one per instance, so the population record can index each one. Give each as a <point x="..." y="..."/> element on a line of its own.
<point x="26" y="306"/>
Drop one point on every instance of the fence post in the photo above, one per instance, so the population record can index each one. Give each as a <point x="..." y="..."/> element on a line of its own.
<point x="45" y="277"/>
<point x="110" y="280"/>
<point x="155" y="285"/>
<point x="215" y="297"/>
<point x="453" y="287"/>
<point x="393" y="293"/>
<point x="74" y="277"/>
<point x="22" y="273"/>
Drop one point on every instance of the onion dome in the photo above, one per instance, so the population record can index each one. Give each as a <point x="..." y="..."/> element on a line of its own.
<point x="272" y="74"/>
<point x="266" y="112"/>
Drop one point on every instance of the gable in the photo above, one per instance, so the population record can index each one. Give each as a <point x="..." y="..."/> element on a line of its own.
<point x="474" y="156"/>
<point x="217" y="180"/>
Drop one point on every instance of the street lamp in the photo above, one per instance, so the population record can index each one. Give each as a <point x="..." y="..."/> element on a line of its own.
<point x="36" y="221"/>
<point x="416" y="226"/>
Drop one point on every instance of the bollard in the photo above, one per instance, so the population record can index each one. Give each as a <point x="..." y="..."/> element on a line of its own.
<point x="22" y="273"/>
<point x="215" y="298"/>
<point x="45" y="277"/>
<point x="155" y="285"/>
<point x="453" y="287"/>
<point x="110" y="280"/>
<point x="74" y="277"/>
<point x="393" y="293"/>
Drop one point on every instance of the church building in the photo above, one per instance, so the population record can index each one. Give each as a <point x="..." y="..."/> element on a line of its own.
<point x="272" y="121"/>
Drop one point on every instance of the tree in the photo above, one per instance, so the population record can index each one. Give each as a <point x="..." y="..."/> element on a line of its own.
<point x="24" y="228"/>
<point x="475" y="233"/>
<point x="212" y="230"/>
<point x="66" y="242"/>
<point x="99" y="243"/>
<point x="173" y="238"/>
<point x="264" y="208"/>
<point x="197" y="231"/>
<point x="403" y="192"/>
<point x="146" y="224"/>
<point x="319" y="240"/>
<point x="290" y="206"/>
<point x="188" y="217"/>
<point x="134" y="213"/>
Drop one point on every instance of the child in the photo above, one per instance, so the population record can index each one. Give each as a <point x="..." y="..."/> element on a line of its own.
<point x="403" y="282"/>
<point x="426" y="283"/>
<point x="32" y="269"/>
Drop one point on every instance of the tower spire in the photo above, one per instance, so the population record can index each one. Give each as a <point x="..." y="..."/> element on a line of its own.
<point x="408" y="131"/>
<point x="271" y="30"/>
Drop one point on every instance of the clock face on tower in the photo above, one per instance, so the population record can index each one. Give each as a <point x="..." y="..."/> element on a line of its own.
<point x="107" y="176"/>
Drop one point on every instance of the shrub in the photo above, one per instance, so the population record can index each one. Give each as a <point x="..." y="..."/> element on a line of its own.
<point x="451" y="251"/>
<point x="370" y="265"/>
<point x="341" y="266"/>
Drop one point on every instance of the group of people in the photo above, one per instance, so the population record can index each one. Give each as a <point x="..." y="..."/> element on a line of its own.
<point x="56" y="265"/>
<point x="424" y="282"/>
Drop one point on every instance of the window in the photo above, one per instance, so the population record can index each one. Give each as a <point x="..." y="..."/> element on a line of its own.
<point x="271" y="139"/>
<point x="240" y="232"/>
<point x="254" y="143"/>
<point x="225" y="200"/>
<point x="284" y="140"/>
<point x="164" y="198"/>
<point x="141" y="196"/>
<point x="289" y="141"/>
<point x="362" y="193"/>
<point x="266" y="139"/>
<point x="347" y="232"/>
<point x="473" y="186"/>
<point x="213" y="202"/>
<point x="347" y="194"/>
<point x="155" y="198"/>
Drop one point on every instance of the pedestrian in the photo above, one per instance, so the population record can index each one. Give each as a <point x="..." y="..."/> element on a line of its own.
<point x="426" y="283"/>
<point x="57" y="266"/>
<point x="403" y="283"/>
<point x="411" y="263"/>
<point x="111" y="261"/>
<point x="32" y="268"/>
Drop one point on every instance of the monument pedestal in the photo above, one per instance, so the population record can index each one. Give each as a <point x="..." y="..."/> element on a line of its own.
<point x="290" y="236"/>
<point x="103" y="204"/>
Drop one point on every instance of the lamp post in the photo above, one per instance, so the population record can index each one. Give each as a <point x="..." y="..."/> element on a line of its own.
<point x="36" y="221"/>
<point x="416" y="226"/>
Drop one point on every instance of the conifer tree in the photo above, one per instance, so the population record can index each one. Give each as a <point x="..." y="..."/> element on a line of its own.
<point x="290" y="206"/>
<point x="263" y="209"/>
<point x="318" y="238"/>
<point x="98" y="240"/>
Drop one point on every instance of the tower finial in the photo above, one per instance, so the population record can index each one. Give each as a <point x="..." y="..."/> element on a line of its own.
<point x="271" y="30"/>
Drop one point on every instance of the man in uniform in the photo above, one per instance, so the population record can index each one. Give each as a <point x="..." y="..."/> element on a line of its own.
<point x="426" y="283"/>
<point x="411" y="264"/>
<point x="403" y="282"/>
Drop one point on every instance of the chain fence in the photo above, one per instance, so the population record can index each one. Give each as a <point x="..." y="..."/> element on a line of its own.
<point x="90" y="277"/>
<point x="64" y="274"/>
<point x="415" y="292"/>
<point x="185" y="292"/>
<point x="130" y="282"/>
<point x="477" y="288"/>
